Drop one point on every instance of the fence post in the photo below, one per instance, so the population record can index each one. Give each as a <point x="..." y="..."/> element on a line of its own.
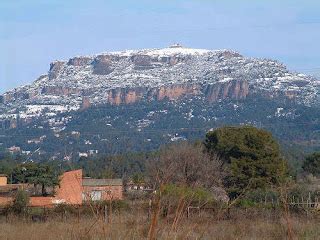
<point x="65" y="215"/>
<point x="310" y="200"/>
<point x="149" y="209"/>
<point x="78" y="214"/>
<point x="188" y="212"/>
<point x="110" y="209"/>
<point x="105" y="213"/>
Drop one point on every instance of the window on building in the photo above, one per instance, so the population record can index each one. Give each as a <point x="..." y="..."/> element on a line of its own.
<point x="96" y="195"/>
<point x="84" y="197"/>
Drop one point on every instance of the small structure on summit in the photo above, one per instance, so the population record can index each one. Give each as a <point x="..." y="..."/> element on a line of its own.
<point x="176" y="45"/>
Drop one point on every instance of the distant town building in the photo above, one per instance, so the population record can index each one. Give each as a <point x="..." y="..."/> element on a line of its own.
<point x="26" y="152"/>
<point x="14" y="149"/>
<point x="76" y="133"/>
<point x="93" y="152"/>
<point x="134" y="186"/>
<point x="83" y="155"/>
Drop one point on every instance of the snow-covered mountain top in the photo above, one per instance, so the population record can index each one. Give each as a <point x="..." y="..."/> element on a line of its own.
<point x="205" y="87"/>
<point x="169" y="51"/>
<point x="98" y="78"/>
<point x="173" y="50"/>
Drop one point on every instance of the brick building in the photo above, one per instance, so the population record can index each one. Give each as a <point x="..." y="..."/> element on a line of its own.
<point x="7" y="191"/>
<point x="102" y="189"/>
<point x="68" y="192"/>
<point x="3" y="180"/>
<point x="73" y="189"/>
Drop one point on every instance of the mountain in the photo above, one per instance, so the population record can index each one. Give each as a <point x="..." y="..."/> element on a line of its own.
<point x="139" y="99"/>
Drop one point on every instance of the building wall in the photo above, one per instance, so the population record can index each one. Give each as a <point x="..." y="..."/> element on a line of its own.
<point x="41" y="201"/>
<point x="107" y="192"/>
<point x="3" y="180"/>
<point x="70" y="190"/>
<point x="5" y="201"/>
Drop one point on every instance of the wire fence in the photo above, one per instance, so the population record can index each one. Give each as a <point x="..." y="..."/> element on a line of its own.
<point x="108" y="212"/>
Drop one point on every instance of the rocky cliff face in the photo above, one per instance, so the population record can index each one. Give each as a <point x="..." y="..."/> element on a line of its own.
<point x="158" y="74"/>
<point x="219" y="91"/>
<point x="232" y="90"/>
<point x="141" y="99"/>
<point x="54" y="70"/>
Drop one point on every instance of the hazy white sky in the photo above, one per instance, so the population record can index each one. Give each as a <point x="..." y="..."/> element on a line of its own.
<point x="33" y="33"/>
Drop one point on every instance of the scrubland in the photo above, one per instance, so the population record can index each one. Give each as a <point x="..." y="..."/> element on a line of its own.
<point x="239" y="224"/>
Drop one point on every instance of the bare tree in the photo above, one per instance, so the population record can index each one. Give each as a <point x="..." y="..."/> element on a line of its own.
<point x="186" y="164"/>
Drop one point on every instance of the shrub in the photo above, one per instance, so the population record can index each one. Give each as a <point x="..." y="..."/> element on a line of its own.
<point x="312" y="164"/>
<point x="20" y="203"/>
<point x="251" y="155"/>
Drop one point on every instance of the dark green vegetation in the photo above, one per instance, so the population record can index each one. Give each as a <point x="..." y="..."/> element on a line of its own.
<point x="116" y="166"/>
<point x="312" y="164"/>
<point x="8" y="162"/>
<point x="236" y="173"/>
<point x="145" y="126"/>
<point x="40" y="175"/>
<point x="20" y="203"/>
<point x="251" y="152"/>
<point x="251" y="155"/>
<point x="250" y="160"/>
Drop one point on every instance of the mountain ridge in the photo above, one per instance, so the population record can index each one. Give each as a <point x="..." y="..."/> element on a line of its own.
<point x="154" y="68"/>
<point x="198" y="88"/>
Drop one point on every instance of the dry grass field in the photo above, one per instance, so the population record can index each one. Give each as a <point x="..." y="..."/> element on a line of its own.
<point x="136" y="226"/>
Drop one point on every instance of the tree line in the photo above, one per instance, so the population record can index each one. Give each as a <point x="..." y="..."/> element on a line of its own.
<point x="229" y="158"/>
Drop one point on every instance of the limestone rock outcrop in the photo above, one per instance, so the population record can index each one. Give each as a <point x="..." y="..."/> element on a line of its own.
<point x="173" y="73"/>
